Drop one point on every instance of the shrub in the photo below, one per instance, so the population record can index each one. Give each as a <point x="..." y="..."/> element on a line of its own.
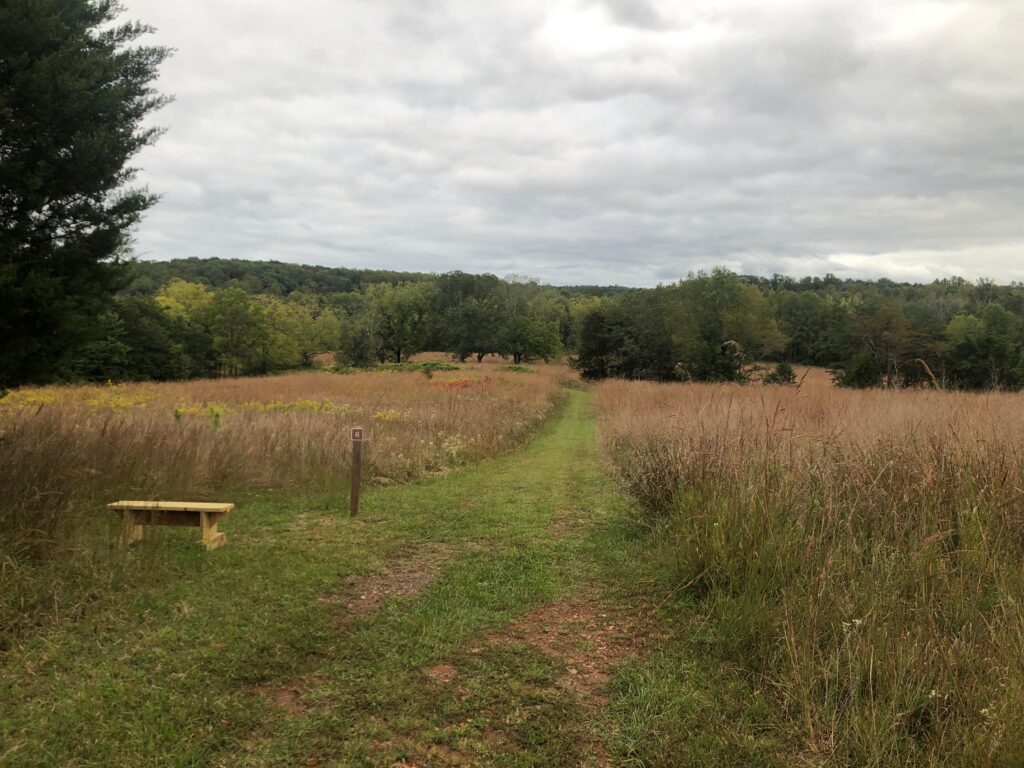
<point x="427" y="366"/>
<point x="861" y="373"/>
<point x="783" y="374"/>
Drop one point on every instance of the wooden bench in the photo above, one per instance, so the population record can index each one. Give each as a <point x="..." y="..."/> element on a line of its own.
<point x="200" y="514"/>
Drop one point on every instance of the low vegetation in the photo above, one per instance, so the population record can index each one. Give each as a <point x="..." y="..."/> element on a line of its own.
<point x="67" y="450"/>
<point x="857" y="553"/>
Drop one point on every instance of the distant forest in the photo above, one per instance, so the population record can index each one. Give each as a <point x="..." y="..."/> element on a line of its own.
<point x="191" y="318"/>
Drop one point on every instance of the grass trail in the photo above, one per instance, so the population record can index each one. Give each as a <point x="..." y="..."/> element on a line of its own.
<point x="499" y="615"/>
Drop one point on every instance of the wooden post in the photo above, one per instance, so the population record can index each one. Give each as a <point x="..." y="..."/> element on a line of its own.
<point x="211" y="537"/>
<point x="357" y="470"/>
<point x="130" y="530"/>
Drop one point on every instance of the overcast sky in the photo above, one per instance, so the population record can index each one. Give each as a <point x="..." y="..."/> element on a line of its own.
<point x="618" y="142"/>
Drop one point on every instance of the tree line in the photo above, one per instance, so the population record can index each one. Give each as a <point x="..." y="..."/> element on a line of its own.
<point x="708" y="327"/>
<point x="712" y="326"/>
<point x="187" y="329"/>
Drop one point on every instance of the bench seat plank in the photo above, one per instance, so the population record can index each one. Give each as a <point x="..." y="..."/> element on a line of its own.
<point x="202" y="514"/>
<point x="173" y="506"/>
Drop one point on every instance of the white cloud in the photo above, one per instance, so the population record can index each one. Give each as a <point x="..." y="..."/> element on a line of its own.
<point x="614" y="141"/>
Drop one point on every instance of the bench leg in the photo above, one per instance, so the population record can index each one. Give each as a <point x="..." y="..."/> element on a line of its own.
<point x="130" y="531"/>
<point x="212" y="538"/>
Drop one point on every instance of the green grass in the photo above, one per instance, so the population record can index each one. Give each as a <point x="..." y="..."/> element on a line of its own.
<point x="172" y="672"/>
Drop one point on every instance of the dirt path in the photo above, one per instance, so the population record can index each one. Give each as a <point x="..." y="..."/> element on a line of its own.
<point x="515" y="639"/>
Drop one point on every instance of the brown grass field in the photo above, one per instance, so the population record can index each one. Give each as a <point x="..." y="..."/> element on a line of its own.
<point x="859" y="552"/>
<point x="67" y="450"/>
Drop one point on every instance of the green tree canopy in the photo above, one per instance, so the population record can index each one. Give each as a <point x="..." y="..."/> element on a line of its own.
<point x="529" y="338"/>
<point x="73" y="95"/>
<point x="401" y="316"/>
<point x="720" y="325"/>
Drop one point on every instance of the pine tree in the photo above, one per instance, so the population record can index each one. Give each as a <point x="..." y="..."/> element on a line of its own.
<point x="73" y="95"/>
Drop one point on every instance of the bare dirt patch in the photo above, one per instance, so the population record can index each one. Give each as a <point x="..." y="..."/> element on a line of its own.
<point x="407" y="575"/>
<point x="587" y="637"/>
<point x="290" y="695"/>
<point x="419" y="755"/>
<point x="567" y="524"/>
<point x="442" y="673"/>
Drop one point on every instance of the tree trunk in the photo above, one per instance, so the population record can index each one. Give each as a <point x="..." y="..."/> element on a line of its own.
<point x="480" y="356"/>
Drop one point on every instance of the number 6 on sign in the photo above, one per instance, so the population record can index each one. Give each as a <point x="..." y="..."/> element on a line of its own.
<point x="357" y="470"/>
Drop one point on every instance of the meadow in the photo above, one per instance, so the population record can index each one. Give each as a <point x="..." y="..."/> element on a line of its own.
<point x="857" y="554"/>
<point x="68" y="450"/>
<point x="545" y="573"/>
<point x="493" y="614"/>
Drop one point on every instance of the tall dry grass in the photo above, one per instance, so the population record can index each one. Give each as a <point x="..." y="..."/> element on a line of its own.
<point x="66" y="451"/>
<point x="861" y="552"/>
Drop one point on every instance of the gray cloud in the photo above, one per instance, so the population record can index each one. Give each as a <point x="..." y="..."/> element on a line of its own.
<point x="612" y="141"/>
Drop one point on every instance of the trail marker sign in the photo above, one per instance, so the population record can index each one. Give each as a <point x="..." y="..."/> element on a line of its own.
<point x="357" y="470"/>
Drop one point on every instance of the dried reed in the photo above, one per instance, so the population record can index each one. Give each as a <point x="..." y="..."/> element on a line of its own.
<point x="861" y="551"/>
